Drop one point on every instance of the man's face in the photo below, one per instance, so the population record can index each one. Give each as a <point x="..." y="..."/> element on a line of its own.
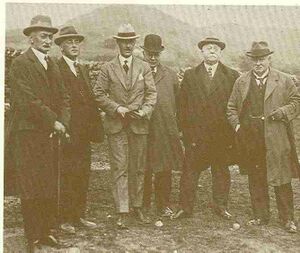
<point x="41" y="40"/>
<point x="71" y="48"/>
<point x="261" y="64"/>
<point x="152" y="58"/>
<point x="211" y="53"/>
<point x="126" y="47"/>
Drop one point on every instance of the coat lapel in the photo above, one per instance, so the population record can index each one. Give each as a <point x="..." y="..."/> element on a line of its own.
<point x="245" y="84"/>
<point x="159" y="74"/>
<point x="271" y="83"/>
<point x="116" y="67"/>
<point x="135" y="71"/>
<point x="39" y="67"/>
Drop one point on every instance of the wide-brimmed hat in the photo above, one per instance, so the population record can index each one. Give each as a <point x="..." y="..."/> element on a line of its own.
<point x="259" y="49"/>
<point x="126" y="32"/>
<point x="66" y="33"/>
<point x="211" y="41"/>
<point x="40" y="22"/>
<point x="153" y="43"/>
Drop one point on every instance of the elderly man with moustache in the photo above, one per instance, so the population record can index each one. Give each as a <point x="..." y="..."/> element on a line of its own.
<point x="208" y="137"/>
<point x="40" y="105"/>
<point x="260" y="108"/>
<point x="164" y="147"/>
<point x="126" y="92"/>
<point x="85" y="126"/>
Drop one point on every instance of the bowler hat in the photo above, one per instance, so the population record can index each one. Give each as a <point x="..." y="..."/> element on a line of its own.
<point x="126" y="32"/>
<point x="66" y="33"/>
<point x="211" y="41"/>
<point x="259" y="49"/>
<point x="40" y="22"/>
<point x="153" y="43"/>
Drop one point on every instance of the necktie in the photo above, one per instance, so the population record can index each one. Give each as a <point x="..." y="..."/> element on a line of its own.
<point x="47" y="61"/>
<point x="76" y="66"/>
<point x="125" y="66"/>
<point x="261" y="81"/>
<point x="153" y="71"/>
<point x="209" y="71"/>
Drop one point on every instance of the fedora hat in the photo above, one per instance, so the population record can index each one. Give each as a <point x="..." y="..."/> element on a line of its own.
<point x="40" y="22"/>
<point x="259" y="49"/>
<point x="153" y="43"/>
<point x="211" y="41"/>
<point x="126" y="32"/>
<point x="66" y="33"/>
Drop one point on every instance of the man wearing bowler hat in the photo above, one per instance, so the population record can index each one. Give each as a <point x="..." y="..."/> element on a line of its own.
<point x="85" y="126"/>
<point x="208" y="137"/>
<point x="260" y="109"/>
<point x="40" y="105"/>
<point x="164" y="147"/>
<point x="126" y="92"/>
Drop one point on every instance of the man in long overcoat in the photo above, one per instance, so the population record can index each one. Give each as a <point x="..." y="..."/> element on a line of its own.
<point x="126" y="92"/>
<point x="40" y="106"/>
<point x="164" y="147"/>
<point x="260" y="108"/>
<point x="208" y="137"/>
<point x="85" y="124"/>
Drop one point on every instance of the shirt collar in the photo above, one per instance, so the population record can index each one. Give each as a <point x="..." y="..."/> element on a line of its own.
<point x="122" y="59"/>
<point x="264" y="75"/>
<point x="70" y="63"/>
<point x="213" y="67"/>
<point x="41" y="56"/>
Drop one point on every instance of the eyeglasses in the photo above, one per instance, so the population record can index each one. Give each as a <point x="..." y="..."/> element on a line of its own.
<point x="72" y="41"/>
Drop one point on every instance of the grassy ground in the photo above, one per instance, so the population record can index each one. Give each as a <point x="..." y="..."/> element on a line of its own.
<point x="204" y="232"/>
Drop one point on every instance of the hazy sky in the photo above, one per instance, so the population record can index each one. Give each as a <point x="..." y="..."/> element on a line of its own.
<point x="18" y="15"/>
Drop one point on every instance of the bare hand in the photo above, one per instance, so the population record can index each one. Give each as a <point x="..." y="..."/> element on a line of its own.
<point x="276" y="115"/>
<point x="122" y="110"/>
<point x="139" y="114"/>
<point x="59" y="127"/>
<point x="237" y="127"/>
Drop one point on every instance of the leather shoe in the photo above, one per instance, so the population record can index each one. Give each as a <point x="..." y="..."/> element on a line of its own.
<point x="166" y="212"/>
<point x="50" y="241"/>
<point x="67" y="228"/>
<point x="85" y="223"/>
<point x="33" y="246"/>
<point x="122" y="222"/>
<point x="290" y="227"/>
<point x="180" y="214"/>
<point x="142" y="217"/>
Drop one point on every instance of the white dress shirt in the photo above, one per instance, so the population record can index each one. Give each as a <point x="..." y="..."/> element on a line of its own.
<point x="213" y="68"/>
<point x="70" y="64"/>
<point x="41" y="57"/>
<point x="123" y="59"/>
<point x="263" y="77"/>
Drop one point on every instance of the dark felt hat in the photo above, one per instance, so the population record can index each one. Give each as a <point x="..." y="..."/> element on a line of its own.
<point x="259" y="49"/>
<point x="153" y="43"/>
<point x="40" y="22"/>
<point x="211" y="41"/>
<point x="66" y="33"/>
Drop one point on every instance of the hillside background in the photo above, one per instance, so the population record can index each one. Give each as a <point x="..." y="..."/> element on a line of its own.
<point x="181" y="27"/>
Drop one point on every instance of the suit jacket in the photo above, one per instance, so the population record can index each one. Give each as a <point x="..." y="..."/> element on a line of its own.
<point x="113" y="89"/>
<point x="37" y="100"/>
<point x="164" y="146"/>
<point x="281" y="92"/>
<point x="93" y="124"/>
<point x="202" y="113"/>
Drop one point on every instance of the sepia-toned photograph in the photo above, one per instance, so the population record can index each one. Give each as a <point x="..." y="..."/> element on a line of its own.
<point x="151" y="128"/>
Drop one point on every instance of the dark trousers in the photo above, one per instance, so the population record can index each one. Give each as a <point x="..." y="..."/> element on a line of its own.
<point x="189" y="185"/>
<point x="258" y="187"/>
<point x="38" y="217"/>
<point x="74" y="182"/>
<point x="162" y="189"/>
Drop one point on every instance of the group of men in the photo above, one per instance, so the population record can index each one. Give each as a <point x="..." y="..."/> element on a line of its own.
<point x="55" y="116"/>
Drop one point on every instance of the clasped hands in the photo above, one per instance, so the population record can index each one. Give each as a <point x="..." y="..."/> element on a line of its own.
<point x="60" y="129"/>
<point x="135" y="114"/>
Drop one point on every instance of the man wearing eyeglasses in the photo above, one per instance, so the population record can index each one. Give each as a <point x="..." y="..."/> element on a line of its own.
<point x="208" y="137"/>
<point x="164" y="147"/>
<point x="85" y="126"/>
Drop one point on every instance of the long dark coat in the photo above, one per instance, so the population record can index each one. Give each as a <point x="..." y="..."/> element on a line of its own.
<point x="164" y="147"/>
<point x="38" y="100"/>
<point x="202" y="116"/>
<point x="91" y="123"/>
<point x="281" y="92"/>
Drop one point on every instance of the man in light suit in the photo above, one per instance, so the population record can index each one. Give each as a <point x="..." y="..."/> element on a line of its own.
<point x="260" y="109"/>
<point x="40" y="105"/>
<point x="85" y="125"/>
<point x="125" y="91"/>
